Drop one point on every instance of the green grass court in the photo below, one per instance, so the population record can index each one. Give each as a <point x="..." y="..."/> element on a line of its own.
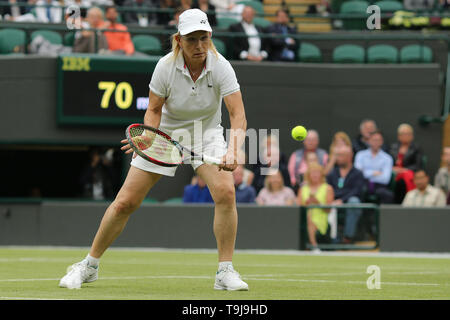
<point x="27" y="273"/>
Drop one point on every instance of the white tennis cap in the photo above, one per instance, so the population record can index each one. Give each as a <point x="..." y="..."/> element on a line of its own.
<point x="193" y="20"/>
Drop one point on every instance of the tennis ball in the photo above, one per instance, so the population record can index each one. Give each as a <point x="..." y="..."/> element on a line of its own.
<point x="299" y="133"/>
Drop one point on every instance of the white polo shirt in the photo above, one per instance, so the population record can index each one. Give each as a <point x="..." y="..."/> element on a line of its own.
<point x="187" y="101"/>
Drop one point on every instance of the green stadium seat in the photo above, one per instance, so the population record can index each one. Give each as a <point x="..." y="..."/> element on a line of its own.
<point x="382" y="53"/>
<point x="257" y="5"/>
<point x="69" y="39"/>
<point x="263" y="23"/>
<point x="348" y="53"/>
<point x="147" y="44"/>
<point x="389" y="6"/>
<point x="309" y="53"/>
<point x="52" y="36"/>
<point x="174" y="200"/>
<point x="225" y="22"/>
<point x="150" y="200"/>
<point x="11" y="38"/>
<point x="220" y="46"/>
<point x="416" y="54"/>
<point x="354" y="7"/>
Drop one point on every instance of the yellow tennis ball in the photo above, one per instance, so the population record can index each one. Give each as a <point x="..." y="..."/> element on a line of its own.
<point x="299" y="133"/>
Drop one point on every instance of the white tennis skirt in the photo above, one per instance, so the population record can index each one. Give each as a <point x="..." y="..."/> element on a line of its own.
<point x="215" y="147"/>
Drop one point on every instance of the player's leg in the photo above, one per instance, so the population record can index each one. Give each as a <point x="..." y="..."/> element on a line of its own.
<point x="221" y="186"/>
<point x="136" y="186"/>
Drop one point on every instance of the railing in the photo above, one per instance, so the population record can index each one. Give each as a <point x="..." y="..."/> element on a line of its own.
<point x="365" y="207"/>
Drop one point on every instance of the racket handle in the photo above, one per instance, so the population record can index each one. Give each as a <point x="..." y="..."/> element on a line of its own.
<point x="211" y="160"/>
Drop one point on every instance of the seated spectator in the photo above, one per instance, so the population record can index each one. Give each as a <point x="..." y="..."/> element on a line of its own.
<point x="407" y="159"/>
<point x="248" y="175"/>
<point x="13" y="10"/>
<point x="85" y="39"/>
<point x="118" y="42"/>
<point x="361" y="142"/>
<point x="142" y="19"/>
<point x="297" y="165"/>
<point x="376" y="166"/>
<point x="339" y="139"/>
<point x="210" y="10"/>
<point x="244" y="193"/>
<point x="197" y="192"/>
<point x="228" y="8"/>
<point x="322" y="8"/>
<point x="348" y="183"/>
<point x="163" y="18"/>
<point x="425" y="195"/>
<point x="97" y="178"/>
<point x="186" y="4"/>
<point x="316" y="191"/>
<point x="270" y="156"/>
<point x="442" y="177"/>
<point x="49" y="11"/>
<point x="252" y="47"/>
<point x="282" y="49"/>
<point x="275" y="193"/>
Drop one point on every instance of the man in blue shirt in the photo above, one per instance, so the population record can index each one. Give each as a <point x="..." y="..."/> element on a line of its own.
<point x="376" y="166"/>
<point x="197" y="193"/>
<point x="244" y="193"/>
<point x="348" y="183"/>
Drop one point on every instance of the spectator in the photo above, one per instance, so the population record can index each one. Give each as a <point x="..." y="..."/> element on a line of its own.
<point x="142" y="19"/>
<point x="248" y="175"/>
<point x="316" y="191"/>
<point x="97" y="179"/>
<point x="407" y="159"/>
<point x="13" y="11"/>
<point x="209" y="9"/>
<point x="270" y="156"/>
<point x="228" y="8"/>
<point x="442" y="177"/>
<point x="49" y="11"/>
<point x="163" y="18"/>
<point x="361" y="142"/>
<point x="197" y="192"/>
<point x="297" y="165"/>
<point x="118" y="42"/>
<point x="252" y="47"/>
<point x="85" y="39"/>
<point x="425" y="195"/>
<point x="173" y="24"/>
<point x="322" y="8"/>
<point x="275" y="193"/>
<point x="282" y="49"/>
<point x="244" y="193"/>
<point x="339" y="139"/>
<point x="376" y="166"/>
<point x="186" y="4"/>
<point x="347" y="183"/>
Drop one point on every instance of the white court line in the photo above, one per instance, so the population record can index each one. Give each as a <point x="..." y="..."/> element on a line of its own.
<point x="27" y="298"/>
<point x="245" y="278"/>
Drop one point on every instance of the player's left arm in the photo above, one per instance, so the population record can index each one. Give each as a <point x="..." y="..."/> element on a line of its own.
<point x="238" y="122"/>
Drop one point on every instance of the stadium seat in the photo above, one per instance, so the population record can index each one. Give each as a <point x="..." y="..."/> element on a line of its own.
<point x="11" y="38"/>
<point x="174" y="200"/>
<point x="263" y="23"/>
<point x="257" y="5"/>
<point x="69" y="39"/>
<point x="389" y="6"/>
<point x="150" y="200"/>
<point x="220" y="46"/>
<point x="382" y="53"/>
<point x="147" y="44"/>
<point x="52" y="36"/>
<point x="354" y="7"/>
<point x="348" y="53"/>
<point x="416" y="54"/>
<point x="309" y="53"/>
<point x="225" y="22"/>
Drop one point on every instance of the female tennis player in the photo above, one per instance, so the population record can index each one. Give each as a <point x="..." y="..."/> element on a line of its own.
<point x="188" y="84"/>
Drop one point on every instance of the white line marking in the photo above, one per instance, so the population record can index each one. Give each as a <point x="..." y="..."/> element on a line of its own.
<point x="27" y="298"/>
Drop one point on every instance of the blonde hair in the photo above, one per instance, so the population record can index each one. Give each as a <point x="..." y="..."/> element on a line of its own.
<point x="272" y="172"/>
<point x="404" y="126"/>
<point x="340" y="135"/>
<point x="176" y="46"/>
<point x="313" y="166"/>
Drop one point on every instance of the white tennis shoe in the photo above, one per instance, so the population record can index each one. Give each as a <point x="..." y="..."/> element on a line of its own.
<point x="229" y="279"/>
<point x="77" y="274"/>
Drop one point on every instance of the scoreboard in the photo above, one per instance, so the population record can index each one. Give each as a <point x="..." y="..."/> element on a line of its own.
<point x="102" y="90"/>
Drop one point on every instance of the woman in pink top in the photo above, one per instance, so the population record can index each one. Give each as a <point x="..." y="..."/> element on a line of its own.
<point x="275" y="192"/>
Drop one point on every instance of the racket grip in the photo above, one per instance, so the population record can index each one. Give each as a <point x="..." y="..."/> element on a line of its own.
<point x="211" y="160"/>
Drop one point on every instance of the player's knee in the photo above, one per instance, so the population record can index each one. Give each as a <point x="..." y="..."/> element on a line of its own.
<point x="225" y="195"/>
<point x="125" y="205"/>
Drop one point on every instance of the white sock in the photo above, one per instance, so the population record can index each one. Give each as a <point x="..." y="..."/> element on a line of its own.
<point x="92" y="262"/>
<point x="225" y="264"/>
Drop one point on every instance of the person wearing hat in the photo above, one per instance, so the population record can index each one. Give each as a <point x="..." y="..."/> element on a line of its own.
<point x="186" y="90"/>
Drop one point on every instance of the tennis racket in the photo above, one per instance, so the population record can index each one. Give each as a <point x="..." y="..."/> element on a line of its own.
<point x="159" y="148"/>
